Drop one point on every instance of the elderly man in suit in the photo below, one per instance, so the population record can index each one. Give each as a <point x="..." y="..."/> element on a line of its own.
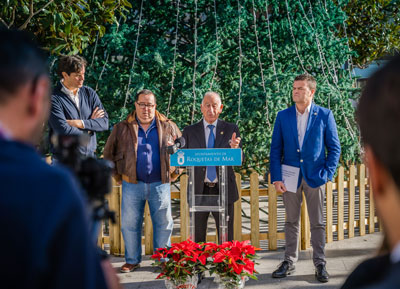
<point x="304" y="137"/>
<point x="212" y="132"/>
<point x="378" y="115"/>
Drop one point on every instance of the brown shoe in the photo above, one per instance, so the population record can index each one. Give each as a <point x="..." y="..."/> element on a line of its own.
<point x="126" y="268"/>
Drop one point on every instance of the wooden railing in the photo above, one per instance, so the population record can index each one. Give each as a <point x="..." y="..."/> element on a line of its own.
<point x="356" y="183"/>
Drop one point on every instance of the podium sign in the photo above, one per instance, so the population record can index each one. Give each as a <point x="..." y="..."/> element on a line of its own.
<point x="222" y="158"/>
<point x="207" y="157"/>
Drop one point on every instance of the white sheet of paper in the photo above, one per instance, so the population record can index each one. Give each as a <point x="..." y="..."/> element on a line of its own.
<point x="290" y="177"/>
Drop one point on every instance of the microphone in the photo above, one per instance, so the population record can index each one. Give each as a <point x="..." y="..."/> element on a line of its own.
<point x="178" y="143"/>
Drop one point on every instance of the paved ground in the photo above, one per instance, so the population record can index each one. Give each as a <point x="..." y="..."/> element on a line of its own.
<point x="342" y="257"/>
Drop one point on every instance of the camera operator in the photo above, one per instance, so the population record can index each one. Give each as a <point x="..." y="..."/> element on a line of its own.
<point x="138" y="148"/>
<point x="45" y="236"/>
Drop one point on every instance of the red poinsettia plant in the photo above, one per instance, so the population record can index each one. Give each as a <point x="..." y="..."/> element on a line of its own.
<point x="181" y="260"/>
<point x="232" y="260"/>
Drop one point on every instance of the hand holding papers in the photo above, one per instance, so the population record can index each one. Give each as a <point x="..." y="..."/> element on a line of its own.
<point x="290" y="177"/>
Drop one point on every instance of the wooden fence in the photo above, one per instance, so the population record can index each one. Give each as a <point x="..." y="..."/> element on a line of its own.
<point x="353" y="181"/>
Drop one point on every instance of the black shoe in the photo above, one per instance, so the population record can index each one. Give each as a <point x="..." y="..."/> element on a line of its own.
<point x="284" y="269"/>
<point x="321" y="274"/>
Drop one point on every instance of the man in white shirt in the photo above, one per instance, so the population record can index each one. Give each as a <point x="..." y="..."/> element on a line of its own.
<point x="305" y="138"/>
<point x="76" y="109"/>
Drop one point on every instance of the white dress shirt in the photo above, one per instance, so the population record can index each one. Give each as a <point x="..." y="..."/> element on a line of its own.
<point x="206" y="135"/>
<point x="395" y="254"/>
<point x="4" y="132"/>
<point x="302" y="119"/>
<point x="74" y="97"/>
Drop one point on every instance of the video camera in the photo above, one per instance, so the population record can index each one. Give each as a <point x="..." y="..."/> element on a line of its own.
<point x="93" y="174"/>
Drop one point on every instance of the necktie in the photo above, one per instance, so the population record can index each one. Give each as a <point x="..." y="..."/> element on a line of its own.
<point x="212" y="170"/>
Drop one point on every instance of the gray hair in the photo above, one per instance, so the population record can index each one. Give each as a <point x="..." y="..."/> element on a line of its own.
<point x="211" y="93"/>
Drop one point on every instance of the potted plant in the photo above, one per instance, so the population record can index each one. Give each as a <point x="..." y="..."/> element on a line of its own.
<point x="181" y="263"/>
<point x="232" y="263"/>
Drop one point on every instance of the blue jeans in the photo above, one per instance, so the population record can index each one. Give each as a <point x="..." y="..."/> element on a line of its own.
<point x="134" y="198"/>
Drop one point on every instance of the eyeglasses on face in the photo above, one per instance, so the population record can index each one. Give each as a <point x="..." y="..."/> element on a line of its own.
<point x="145" y="105"/>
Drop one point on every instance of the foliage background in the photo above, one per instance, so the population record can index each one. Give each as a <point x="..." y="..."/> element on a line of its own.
<point x="247" y="50"/>
<point x="212" y="61"/>
<point x="373" y="28"/>
<point x="62" y="26"/>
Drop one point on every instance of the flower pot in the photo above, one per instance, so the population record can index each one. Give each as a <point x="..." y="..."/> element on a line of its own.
<point x="190" y="283"/>
<point x="229" y="283"/>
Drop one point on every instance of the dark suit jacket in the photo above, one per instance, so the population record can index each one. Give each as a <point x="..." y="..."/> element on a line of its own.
<point x="195" y="138"/>
<point x="375" y="273"/>
<point x="368" y="273"/>
<point x="390" y="280"/>
<point x="42" y="213"/>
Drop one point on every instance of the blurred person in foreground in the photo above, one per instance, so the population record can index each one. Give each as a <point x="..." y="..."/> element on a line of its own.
<point x="378" y="115"/>
<point x="45" y="234"/>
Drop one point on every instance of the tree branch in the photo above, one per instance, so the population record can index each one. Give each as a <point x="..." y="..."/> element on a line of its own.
<point x="13" y="17"/>
<point x="4" y="23"/>
<point x="33" y="14"/>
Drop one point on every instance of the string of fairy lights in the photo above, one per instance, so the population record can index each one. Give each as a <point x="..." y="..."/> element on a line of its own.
<point x="217" y="42"/>
<point x="174" y="61"/>
<point x="293" y="38"/>
<point x="323" y="63"/>
<point x="127" y="94"/>
<point x="333" y="75"/>
<point x="240" y="60"/>
<point x="261" y="67"/>
<point x="329" y="69"/>
<point x="324" y="10"/>
<point x="195" y="62"/>
<point x="103" y="69"/>
<point x="270" y="44"/>
<point x="95" y="48"/>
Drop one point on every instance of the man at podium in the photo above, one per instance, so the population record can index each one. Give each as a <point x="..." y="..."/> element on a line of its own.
<point x="212" y="132"/>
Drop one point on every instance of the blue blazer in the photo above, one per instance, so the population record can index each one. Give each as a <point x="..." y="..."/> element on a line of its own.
<point x="319" y="155"/>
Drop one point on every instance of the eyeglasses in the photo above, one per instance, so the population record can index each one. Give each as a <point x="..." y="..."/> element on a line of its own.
<point x="145" y="105"/>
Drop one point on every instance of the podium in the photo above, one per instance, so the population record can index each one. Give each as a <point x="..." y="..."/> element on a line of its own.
<point x="191" y="158"/>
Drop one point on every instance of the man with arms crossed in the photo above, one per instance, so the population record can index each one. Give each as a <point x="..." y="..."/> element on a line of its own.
<point x="76" y="109"/>
<point x="305" y="137"/>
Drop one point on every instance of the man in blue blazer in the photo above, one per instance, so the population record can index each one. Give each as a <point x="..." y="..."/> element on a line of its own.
<point x="304" y="137"/>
